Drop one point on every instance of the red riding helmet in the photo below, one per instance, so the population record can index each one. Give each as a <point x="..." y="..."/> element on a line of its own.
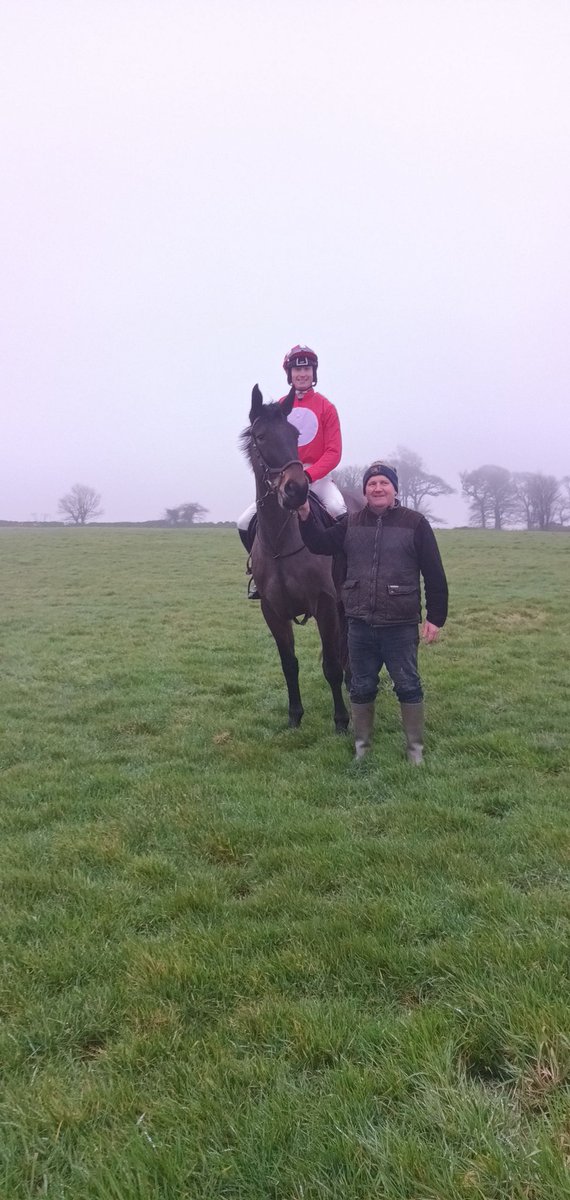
<point x="300" y="356"/>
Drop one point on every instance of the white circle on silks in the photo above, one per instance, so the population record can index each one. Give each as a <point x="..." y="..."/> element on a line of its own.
<point x="306" y="422"/>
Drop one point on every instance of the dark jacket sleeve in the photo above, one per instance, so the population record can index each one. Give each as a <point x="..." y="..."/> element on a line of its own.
<point x="431" y="567"/>
<point x="320" y="540"/>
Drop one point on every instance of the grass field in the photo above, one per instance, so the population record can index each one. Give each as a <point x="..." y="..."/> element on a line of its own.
<point x="237" y="965"/>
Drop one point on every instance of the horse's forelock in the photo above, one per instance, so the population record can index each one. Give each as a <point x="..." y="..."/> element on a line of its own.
<point x="273" y="411"/>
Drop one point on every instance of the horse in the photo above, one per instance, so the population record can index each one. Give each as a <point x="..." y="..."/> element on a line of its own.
<point x="291" y="581"/>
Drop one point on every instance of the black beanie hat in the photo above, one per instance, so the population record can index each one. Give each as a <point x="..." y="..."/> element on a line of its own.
<point x="379" y="468"/>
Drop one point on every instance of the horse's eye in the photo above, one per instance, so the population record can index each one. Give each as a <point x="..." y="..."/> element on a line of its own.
<point x="260" y="437"/>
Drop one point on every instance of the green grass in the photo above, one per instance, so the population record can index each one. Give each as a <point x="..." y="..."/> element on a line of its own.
<point x="235" y="965"/>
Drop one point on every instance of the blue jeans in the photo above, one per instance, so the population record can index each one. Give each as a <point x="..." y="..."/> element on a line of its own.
<point x="370" y="647"/>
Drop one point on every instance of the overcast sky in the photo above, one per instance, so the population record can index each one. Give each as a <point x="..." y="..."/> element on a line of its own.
<point x="189" y="188"/>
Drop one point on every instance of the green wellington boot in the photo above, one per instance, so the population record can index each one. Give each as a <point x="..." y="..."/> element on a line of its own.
<point x="413" y="722"/>
<point x="362" y="724"/>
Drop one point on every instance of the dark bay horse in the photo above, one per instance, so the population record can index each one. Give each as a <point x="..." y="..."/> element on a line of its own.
<point x="291" y="581"/>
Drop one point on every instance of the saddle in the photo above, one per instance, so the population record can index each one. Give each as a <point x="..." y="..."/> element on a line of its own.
<point x="319" y="511"/>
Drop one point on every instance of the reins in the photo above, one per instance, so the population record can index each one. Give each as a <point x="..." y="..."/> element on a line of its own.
<point x="289" y="554"/>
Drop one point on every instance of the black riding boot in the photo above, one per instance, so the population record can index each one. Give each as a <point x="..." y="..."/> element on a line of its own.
<point x="246" y="538"/>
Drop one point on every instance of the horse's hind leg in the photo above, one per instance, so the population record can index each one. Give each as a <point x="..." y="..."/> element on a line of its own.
<point x="330" y="632"/>
<point x="282" y="631"/>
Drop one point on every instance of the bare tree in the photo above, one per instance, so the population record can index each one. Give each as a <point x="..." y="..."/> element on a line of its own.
<point x="546" y="493"/>
<point x="475" y="491"/>
<point x="492" y="495"/>
<point x="415" y="483"/>
<point x="563" y="504"/>
<point x="185" y="514"/>
<point x="81" y="504"/>
<point x="349" y="478"/>
<point x="172" y="516"/>
<point x="538" y="497"/>
<point x="524" y="497"/>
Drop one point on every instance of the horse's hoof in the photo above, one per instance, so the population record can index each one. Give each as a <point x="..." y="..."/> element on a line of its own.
<point x="294" y="722"/>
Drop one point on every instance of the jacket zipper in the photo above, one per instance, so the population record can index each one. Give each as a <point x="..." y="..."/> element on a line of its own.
<point x="375" y="565"/>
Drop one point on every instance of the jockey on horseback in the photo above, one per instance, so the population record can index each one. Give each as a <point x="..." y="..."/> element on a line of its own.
<point x="320" y="443"/>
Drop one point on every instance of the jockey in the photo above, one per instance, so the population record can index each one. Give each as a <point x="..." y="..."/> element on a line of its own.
<point x="320" y="443"/>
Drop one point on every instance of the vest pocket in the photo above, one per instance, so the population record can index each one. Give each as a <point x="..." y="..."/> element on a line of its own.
<point x="404" y="602"/>
<point x="351" y="594"/>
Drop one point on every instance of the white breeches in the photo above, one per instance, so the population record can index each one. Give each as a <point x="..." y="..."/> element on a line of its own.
<point x="244" y="520"/>
<point x="325" y="489"/>
<point x="330" y="496"/>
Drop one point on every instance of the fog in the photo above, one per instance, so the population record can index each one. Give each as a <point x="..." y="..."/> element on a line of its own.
<point x="191" y="188"/>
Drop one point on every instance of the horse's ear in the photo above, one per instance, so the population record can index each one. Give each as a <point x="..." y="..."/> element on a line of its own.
<point x="256" y="404"/>
<point x="288" y="402"/>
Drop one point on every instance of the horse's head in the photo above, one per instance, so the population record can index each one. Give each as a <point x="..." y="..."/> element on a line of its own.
<point x="270" y="443"/>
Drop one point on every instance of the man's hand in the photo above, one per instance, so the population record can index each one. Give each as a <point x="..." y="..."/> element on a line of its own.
<point x="430" y="633"/>
<point x="304" y="511"/>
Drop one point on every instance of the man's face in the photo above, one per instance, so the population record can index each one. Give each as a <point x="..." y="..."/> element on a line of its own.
<point x="380" y="493"/>
<point x="302" y="378"/>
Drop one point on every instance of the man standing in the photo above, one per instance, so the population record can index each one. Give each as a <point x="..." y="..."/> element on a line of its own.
<point x="387" y="548"/>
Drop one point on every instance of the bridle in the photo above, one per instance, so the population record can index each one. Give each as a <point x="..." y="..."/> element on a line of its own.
<point x="271" y="480"/>
<point x="272" y="476"/>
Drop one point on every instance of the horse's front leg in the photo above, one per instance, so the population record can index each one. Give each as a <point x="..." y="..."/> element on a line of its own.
<point x="331" y="640"/>
<point x="282" y="631"/>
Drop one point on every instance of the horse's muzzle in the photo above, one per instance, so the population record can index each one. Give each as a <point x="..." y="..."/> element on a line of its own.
<point x="294" y="493"/>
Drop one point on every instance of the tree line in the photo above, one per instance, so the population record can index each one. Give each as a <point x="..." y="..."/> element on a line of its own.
<point x="83" y="504"/>
<point x="496" y="497"/>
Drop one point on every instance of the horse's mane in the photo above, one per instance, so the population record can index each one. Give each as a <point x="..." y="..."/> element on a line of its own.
<point x="272" y="411"/>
